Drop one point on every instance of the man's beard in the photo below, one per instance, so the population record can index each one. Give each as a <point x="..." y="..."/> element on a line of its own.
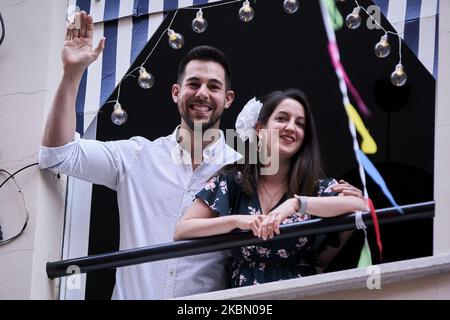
<point x="196" y="125"/>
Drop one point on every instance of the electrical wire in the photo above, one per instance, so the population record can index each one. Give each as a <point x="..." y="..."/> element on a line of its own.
<point x="2" y="37"/>
<point x="385" y="31"/>
<point x="162" y="35"/>
<point x="27" y="213"/>
<point x="12" y="175"/>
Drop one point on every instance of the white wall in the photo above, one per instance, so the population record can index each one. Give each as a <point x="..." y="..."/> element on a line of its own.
<point x="421" y="278"/>
<point x="442" y="137"/>
<point x="435" y="287"/>
<point x="29" y="70"/>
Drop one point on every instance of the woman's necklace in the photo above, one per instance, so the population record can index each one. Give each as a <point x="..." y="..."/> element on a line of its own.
<point x="273" y="197"/>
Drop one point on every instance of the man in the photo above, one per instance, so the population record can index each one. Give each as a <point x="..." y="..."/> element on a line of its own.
<point x="155" y="181"/>
<point x="153" y="188"/>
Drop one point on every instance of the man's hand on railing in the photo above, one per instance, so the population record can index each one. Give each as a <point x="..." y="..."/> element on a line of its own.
<point x="343" y="188"/>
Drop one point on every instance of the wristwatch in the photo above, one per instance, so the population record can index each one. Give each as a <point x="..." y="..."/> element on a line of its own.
<point x="302" y="203"/>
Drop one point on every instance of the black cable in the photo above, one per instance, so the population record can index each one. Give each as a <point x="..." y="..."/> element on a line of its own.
<point x="12" y="175"/>
<point x="27" y="214"/>
<point x="3" y="29"/>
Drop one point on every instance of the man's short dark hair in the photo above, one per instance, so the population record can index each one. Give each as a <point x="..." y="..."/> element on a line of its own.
<point x="206" y="53"/>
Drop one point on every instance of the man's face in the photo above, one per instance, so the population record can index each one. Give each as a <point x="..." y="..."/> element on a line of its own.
<point x="202" y="95"/>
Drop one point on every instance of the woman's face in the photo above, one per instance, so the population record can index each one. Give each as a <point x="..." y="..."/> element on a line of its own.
<point x="287" y="125"/>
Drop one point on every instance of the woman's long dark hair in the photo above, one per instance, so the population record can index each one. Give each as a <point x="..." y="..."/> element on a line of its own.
<point x="306" y="164"/>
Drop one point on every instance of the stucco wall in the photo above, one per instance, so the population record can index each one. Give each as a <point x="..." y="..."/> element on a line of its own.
<point x="435" y="287"/>
<point x="30" y="68"/>
<point x="442" y="137"/>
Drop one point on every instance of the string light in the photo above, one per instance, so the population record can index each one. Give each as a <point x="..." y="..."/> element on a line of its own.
<point x="199" y="24"/>
<point x="246" y="12"/>
<point x="290" y="6"/>
<point x="176" y="40"/>
<point x="119" y="116"/>
<point x="353" y="20"/>
<point x="399" y="77"/>
<point x="382" y="48"/>
<point x="145" y="79"/>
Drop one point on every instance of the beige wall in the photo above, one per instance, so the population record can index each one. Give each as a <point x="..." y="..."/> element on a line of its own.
<point x="421" y="278"/>
<point x="29" y="70"/>
<point x="442" y="140"/>
<point x="428" y="288"/>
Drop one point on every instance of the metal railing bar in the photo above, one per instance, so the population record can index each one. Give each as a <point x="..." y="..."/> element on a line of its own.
<point x="231" y="240"/>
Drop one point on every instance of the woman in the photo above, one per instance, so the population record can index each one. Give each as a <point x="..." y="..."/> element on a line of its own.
<point x="240" y="197"/>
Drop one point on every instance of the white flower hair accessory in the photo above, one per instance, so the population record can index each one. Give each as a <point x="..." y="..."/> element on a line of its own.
<point x="246" y="120"/>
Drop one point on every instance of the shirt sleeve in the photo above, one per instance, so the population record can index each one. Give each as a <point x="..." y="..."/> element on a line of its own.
<point x="104" y="163"/>
<point x="216" y="194"/>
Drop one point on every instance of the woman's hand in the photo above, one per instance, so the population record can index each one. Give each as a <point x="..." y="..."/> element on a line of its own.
<point x="249" y="222"/>
<point x="272" y="221"/>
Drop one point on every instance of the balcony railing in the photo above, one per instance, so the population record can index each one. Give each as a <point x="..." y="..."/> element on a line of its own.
<point x="231" y="240"/>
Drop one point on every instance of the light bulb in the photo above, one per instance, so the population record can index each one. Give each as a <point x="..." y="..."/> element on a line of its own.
<point x="383" y="48"/>
<point x="353" y="20"/>
<point x="176" y="40"/>
<point x="118" y="116"/>
<point x="290" y="6"/>
<point x="246" y="13"/>
<point x="199" y="24"/>
<point x="399" y="77"/>
<point x="145" y="79"/>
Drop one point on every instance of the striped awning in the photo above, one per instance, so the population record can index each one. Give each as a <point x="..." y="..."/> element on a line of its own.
<point x="417" y="22"/>
<point x="129" y="24"/>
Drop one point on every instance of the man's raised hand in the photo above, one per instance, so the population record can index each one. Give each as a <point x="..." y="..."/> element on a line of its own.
<point x="78" y="52"/>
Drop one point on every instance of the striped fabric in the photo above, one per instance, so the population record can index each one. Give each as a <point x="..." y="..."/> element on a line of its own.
<point x="108" y="10"/>
<point x="133" y="22"/>
<point x="417" y="22"/>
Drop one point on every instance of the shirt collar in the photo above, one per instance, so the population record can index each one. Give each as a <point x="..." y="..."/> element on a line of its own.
<point x="210" y="153"/>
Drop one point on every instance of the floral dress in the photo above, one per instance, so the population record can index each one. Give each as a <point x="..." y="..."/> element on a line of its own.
<point x="272" y="260"/>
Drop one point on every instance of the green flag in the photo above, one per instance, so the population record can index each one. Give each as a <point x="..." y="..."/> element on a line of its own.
<point x="365" y="259"/>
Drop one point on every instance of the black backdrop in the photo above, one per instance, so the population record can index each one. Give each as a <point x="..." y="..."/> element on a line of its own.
<point x="275" y="51"/>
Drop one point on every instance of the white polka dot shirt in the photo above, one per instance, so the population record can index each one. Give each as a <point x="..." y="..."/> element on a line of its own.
<point x="155" y="185"/>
